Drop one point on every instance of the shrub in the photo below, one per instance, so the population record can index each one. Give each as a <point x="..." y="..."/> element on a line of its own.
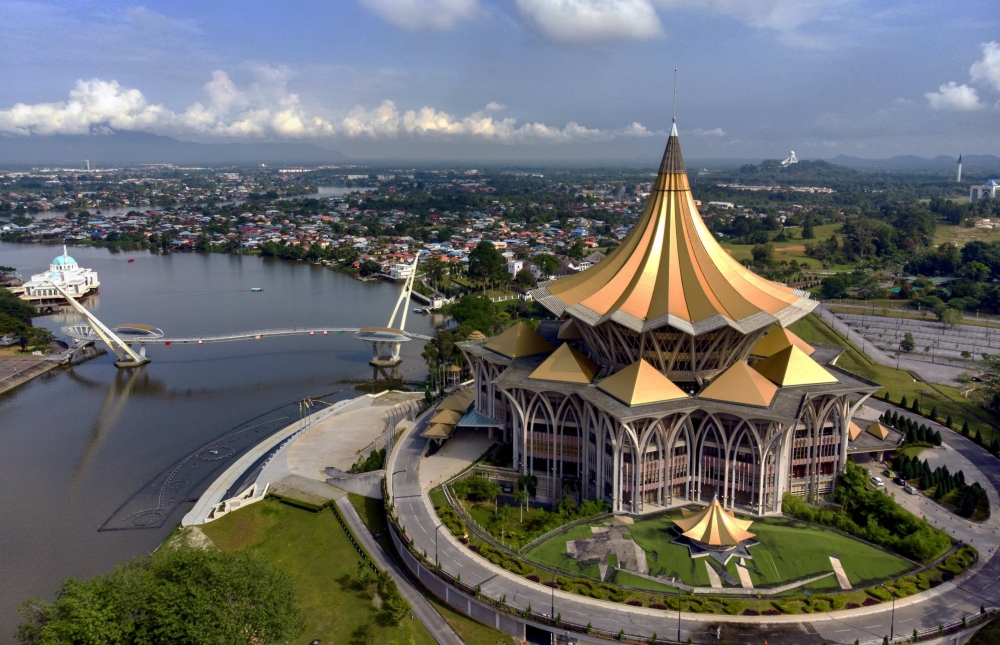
<point x="657" y="606"/>
<point x="871" y="601"/>
<point x="476" y="489"/>
<point x="880" y="593"/>
<point x="452" y="520"/>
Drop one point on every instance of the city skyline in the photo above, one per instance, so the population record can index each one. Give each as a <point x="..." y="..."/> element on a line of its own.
<point x="518" y="80"/>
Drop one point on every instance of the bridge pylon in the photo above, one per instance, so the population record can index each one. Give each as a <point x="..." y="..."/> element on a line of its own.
<point x="386" y="341"/>
<point x="126" y="355"/>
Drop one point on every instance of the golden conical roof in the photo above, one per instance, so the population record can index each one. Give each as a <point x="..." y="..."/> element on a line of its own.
<point x="791" y="367"/>
<point x="715" y="526"/>
<point x="671" y="271"/>
<point x="639" y="384"/>
<point x="742" y="385"/>
<point x="518" y="341"/>
<point x="778" y="339"/>
<point x="566" y="365"/>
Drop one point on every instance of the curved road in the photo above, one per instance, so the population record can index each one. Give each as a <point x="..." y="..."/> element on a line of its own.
<point x="942" y="605"/>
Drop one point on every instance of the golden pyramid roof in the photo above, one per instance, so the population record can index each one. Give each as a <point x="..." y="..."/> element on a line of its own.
<point x="778" y="339"/>
<point x="671" y="271"/>
<point x="566" y="365"/>
<point x="854" y="430"/>
<point x="791" y="367"/>
<point x="740" y="384"/>
<point x="451" y="417"/>
<point x="714" y="526"/>
<point x="438" y="431"/>
<point x="878" y="430"/>
<point x="569" y="331"/>
<point x="639" y="384"/>
<point x="518" y="341"/>
<point x="460" y="401"/>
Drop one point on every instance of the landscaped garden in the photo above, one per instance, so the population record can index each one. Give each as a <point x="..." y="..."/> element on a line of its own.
<point x="788" y="550"/>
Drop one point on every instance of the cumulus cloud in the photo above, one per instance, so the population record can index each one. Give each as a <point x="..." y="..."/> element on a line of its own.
<point x="987" y="70"/>
<point x="984" y="73"/>
<point x="952" y="96"/>
<point x="637" y="129"/>
<point x="425" y="15"/>
<point x="267" y="110"/>
<point x="585" y="22"/>
<point x="714" y="132"/>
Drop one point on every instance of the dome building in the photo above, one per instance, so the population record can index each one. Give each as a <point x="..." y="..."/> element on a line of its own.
<point x="671" y="377"/>
<point x="65" y="272"/>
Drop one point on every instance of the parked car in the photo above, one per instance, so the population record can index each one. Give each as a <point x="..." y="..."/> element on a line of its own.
<point x="911" y="490"/>
<point x="877" y="481"/>
<point x="899" y="481"/>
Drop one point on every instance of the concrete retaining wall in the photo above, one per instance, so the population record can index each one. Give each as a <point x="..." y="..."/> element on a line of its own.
<point x="365" y="484"/>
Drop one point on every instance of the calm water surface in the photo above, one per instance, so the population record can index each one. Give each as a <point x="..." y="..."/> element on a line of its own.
<point x="78" y="442"/>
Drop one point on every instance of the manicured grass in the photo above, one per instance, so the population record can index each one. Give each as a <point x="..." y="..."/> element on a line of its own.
<point x="315" y="551"/>
<point x="898" y="383"/>
<point x="552" y="553"/>
<point x="788" y="550"/>
<point x="627" y="579"/>
<point x="960" y="235"/>
<point x="372" y="514"/>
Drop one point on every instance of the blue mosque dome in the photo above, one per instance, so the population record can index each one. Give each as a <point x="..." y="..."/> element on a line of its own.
<point x="63" y="260"/>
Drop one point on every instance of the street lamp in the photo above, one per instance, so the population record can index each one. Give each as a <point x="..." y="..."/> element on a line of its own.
<point x="678" y="614"/>
<point x="892" y="620"/>
<point x="436" y="562"/>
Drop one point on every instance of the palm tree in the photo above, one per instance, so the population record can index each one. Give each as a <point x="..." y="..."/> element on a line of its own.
<point x="521" y="496"/>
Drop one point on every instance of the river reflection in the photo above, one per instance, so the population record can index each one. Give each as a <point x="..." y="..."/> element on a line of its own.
<point x="77" y="443"/>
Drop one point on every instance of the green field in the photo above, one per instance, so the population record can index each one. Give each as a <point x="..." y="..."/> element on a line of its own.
<point x="315" y="551"/>
<point x="789" y="550"/>
<point x="793" y="249"/>
<point x="899" y="383"/>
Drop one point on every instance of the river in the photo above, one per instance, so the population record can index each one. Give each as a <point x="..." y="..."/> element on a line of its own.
<point x="78" y="442"/>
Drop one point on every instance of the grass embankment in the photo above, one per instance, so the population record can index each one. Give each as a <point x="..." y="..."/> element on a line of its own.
<point x="315" y="551"/>
<point x="373" y="515"/>
<point x="899" y="383"/>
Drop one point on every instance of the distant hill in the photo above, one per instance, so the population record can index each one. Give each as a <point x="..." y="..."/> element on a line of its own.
<point x="804" y="173"/>
<point x="132" y="148"/>
<point x="913" y="162"/>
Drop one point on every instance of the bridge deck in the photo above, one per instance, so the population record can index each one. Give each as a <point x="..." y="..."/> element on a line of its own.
<point x="247" y="335"/>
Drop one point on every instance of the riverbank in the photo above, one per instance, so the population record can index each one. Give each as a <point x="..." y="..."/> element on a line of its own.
<point x="17" y="369"/>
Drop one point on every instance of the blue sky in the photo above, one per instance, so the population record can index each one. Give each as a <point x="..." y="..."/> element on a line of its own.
<point x="514" y="79"/>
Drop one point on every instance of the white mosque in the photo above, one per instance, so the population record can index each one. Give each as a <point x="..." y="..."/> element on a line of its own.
<point x="65" y="272"/>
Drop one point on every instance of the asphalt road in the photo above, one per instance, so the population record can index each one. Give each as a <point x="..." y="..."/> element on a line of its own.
<point x="948" y="603"/>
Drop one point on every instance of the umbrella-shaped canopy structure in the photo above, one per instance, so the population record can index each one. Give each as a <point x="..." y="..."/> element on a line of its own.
<point x="714" y="526"/>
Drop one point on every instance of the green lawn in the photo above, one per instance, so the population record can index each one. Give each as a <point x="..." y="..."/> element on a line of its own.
<point x="552" y="553"/>
<point x="899" y="383"/>
<point x="627" y="579"/>
<point x="789" y="550"/>
<point x="315" y="551"/>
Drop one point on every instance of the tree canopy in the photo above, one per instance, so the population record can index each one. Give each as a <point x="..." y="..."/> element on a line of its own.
<point x="177" y="596"/>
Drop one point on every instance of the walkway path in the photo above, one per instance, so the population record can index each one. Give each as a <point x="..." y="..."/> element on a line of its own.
<point x="941" y="605"/>
<point x="463" y="448"/>
<point x="422" y="607"/>
<point x="16" y="369"/>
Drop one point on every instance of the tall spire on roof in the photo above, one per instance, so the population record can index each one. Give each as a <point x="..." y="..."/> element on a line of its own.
<point x="670" y="270"/>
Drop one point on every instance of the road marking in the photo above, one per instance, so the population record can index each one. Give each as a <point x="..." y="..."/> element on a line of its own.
<point x="906" y="621"/>
<point x="872" y="626"/>
<point x="952" y="604"/>
<point x="843" y="630"/>
<point x="987" y="585"/>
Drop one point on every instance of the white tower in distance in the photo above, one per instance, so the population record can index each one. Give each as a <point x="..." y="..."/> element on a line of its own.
<point x="959" y="178"/>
